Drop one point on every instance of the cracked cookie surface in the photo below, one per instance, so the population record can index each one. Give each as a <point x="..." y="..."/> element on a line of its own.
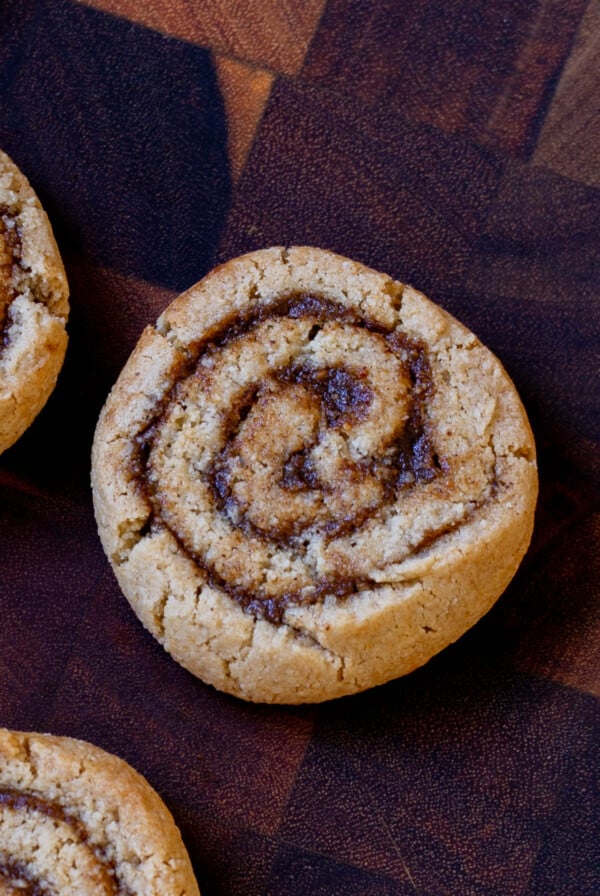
<point x="309" y="479"/>
<point x="33" y="305"/>
<point x="77" y="820"/>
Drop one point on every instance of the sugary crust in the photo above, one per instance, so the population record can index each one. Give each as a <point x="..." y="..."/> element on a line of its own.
<point x="34" y="305"/>
<point x="427" y="567"/>
<point x="81" y="820"/>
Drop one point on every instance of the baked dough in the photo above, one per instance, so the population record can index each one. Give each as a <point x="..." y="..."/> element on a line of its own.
<point x="77" y="821"/>
<point x="309" y="479"/>
<point x="34" y="305"/>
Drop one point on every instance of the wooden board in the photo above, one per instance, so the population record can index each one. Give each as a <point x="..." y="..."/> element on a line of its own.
<point x="453" y="145"/>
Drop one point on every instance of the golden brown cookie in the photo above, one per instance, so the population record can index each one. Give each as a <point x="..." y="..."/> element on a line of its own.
<point x="33" y="305"/>
<point x="309" y="479"/>
<point x="78" y="821"/>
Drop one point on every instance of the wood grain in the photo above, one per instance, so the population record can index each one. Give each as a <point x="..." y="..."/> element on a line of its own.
<point x="268" y="33"/>
<point x="245" y="93"/>
<point x="453" y="144"/>
<point x="570" y="138"/>
<point x="481" y="70"/>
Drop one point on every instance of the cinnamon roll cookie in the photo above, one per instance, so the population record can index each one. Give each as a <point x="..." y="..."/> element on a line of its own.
<point x="77" y="821"/>
<point x="309" y="479"/>
<point x="33" y="305"/>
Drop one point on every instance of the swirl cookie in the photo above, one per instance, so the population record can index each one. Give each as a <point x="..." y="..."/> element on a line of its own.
<point x="309" y="479"/>
<point x="77" y="821"/>
<point x="33" y="305"/>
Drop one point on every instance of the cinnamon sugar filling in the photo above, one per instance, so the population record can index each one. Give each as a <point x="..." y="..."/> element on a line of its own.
<point x="20" y="874"/>
<point x="10" y="254"/>
<point x="316" y="421"/>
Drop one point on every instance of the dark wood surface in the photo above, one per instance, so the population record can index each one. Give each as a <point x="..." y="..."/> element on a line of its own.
<point x="453" y="145"/>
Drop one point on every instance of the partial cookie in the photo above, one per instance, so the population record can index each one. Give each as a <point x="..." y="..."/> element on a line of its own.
<point x="78" y="821"/>
<point x="34" y="305"/>
<point x="309" y="479"/>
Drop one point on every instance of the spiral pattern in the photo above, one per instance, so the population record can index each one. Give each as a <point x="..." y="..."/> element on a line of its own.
<point x="45" y="850"/>
<point x="297" y="425"/>
<point x="309" y="478"/>
<point x="78" y="821"/>
<point x="34" y="305"/>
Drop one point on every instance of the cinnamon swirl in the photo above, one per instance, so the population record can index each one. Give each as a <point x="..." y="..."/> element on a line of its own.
<point x="33" y="305"/>
<point x="77" y="821"/>
<point x="309" y="479"/>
